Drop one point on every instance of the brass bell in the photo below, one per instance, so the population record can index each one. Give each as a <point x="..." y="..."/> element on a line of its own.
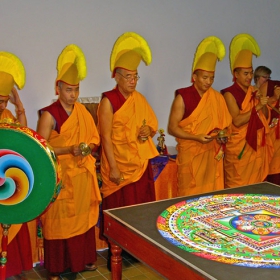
<point x="85" y="149"/>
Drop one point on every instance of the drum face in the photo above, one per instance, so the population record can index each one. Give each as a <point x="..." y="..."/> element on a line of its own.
<point x="29" y="166"/>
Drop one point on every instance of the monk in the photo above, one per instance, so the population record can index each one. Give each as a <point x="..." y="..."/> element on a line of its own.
<point x="127" y="124"/>
<point x="127" y="127"/>
<point x="19" y="252"/>
<point x="272" y="89"/>
<point x="197" y="114"/>
<point x="6" y="114"/>
<point x="69" y="224"/>
<point x="250" y="149"/>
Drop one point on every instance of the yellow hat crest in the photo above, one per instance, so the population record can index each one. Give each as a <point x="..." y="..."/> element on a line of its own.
<point x="71" y="65"/>
<point x="11" y="72"/>
<point x="129" y="49"/>
<point x="242" y="48"/>
<point x="208" y="52"/>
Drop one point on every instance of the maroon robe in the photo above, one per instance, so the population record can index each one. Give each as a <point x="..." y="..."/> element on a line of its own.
<point x="191" y="99"/>
<point x="19" y="253"/>
<point x="58" y="113"/>
<point x="237" y="92"/>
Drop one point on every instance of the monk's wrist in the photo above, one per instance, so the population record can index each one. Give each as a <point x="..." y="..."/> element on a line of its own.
<point x="20" y="111"/>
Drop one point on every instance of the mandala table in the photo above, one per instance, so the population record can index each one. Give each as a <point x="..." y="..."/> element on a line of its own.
<point x="135" y="230"/>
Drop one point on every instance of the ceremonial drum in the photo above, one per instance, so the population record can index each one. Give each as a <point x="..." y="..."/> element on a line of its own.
<point x="29" y="174"/>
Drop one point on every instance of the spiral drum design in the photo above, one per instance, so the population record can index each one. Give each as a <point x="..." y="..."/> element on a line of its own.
<point x="29" y="174"/>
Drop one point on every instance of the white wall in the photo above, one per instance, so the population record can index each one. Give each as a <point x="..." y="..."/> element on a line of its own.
<point x="37" y="31"/>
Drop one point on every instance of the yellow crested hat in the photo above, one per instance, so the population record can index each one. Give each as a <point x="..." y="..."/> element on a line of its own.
<point x="207" y="53"/>
<point x="242" y="48"/>
<point x="71" y="65"/>
<point x="129" y="49"/>
<point x="11" y="72"/>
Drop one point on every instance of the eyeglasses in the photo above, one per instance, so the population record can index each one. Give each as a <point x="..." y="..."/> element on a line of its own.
<point x="129" y="77"/>
<point x="266" y="77"/>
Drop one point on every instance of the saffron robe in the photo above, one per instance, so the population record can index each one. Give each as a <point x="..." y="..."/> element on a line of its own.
<point x="198" y="170"/>
<point x="76" y="208"/>
<point x="6" y="114"/>
<point x="132" y="156"/>
<point x="244" y="165"/>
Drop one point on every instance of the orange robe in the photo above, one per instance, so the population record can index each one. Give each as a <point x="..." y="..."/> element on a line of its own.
<point x="198" y="170"/>
<point x="76" y="209"/>
<point x="131" y="155"/>
<point x="250" y="166"/>
<point x="6" y="114"/>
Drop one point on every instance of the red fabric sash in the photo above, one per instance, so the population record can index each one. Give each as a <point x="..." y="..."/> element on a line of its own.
<point x="254" y="125"/>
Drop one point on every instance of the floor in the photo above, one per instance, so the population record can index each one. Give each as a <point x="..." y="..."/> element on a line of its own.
<point x="132" y="269"/>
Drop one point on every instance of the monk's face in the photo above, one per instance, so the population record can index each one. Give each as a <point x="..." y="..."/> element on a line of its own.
<point x="3" y="103"/>
<point x="203" y="80"/>
<point x="244" y="76"/>
<point x="68" y="94"/>
<point x="127" y="81"/>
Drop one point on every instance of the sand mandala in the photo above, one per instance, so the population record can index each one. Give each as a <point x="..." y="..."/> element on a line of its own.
<point x="238" y="229"/>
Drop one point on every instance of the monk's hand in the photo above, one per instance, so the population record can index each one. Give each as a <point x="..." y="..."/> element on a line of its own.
<point x="144" y="131"/>
<point x="263" y="102"/>
<point x="222" y="140"/>
<point x="115" y="176"/>
<point x="258" y="93"/>
<point x="14" y="98"/>
<point x="75" y="150"/>
<point x="204" y="138"/>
